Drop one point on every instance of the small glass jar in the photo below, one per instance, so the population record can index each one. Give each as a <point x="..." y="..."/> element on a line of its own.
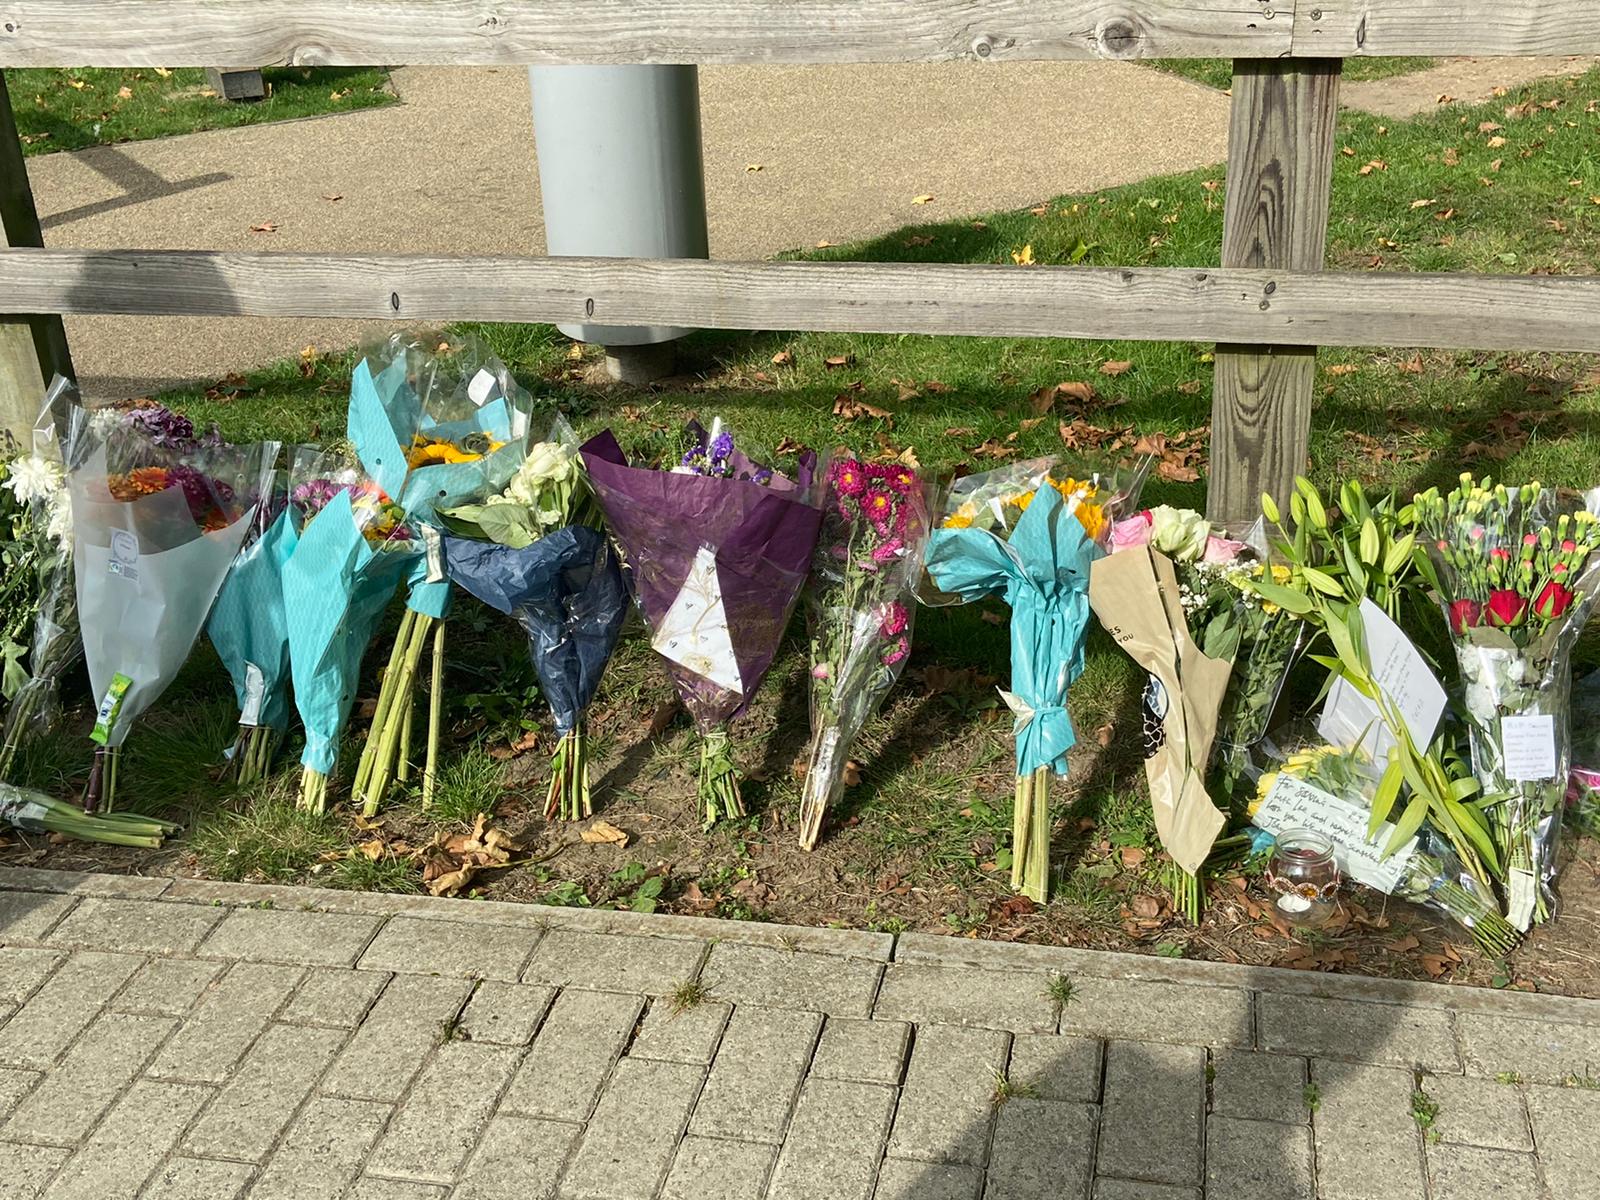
<point x="1305" y="877"/>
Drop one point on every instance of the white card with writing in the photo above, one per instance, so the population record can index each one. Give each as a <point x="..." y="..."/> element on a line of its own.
<point x="1402" y="674"/>
<point x="1295" y="804"/>
<point x="1530" y="747"/>
<point x="694" y="633"/>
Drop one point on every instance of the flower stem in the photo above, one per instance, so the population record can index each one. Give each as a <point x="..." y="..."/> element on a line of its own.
<point x="430" y="770"/>
<point x="718" y="788"/>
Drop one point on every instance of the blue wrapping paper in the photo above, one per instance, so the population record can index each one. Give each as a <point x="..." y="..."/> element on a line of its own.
<point x="249" y="626"/>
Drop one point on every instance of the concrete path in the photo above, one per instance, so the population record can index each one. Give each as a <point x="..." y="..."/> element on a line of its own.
<point x="1463" y="80"/>
<point x="179" y="1039"/>
<point x="842" y="150"/>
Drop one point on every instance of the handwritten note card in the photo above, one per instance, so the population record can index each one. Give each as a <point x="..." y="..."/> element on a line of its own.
<point x="1530" y="747"/>
<point x="1295" y="804"/>
<point x="1402" y="674"/>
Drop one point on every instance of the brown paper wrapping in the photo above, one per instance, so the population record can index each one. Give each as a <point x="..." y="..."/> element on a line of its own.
<point x="1134" y="593"/>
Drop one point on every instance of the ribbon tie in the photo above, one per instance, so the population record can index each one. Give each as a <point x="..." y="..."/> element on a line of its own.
<point x="1044" y="733"/>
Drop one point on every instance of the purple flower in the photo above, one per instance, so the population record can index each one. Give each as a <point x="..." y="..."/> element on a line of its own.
<point x="721" y="447"/>
<point x="848" y="477"/>
<point x="163" y="427"/>
<point x="203" y="493"/>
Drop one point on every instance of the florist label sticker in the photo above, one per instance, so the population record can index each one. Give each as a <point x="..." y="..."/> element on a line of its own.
<point x="1530" y="747"/>
<point x="483" y="383"/>
<point x="1295" y="804"/>
<point x="694" y="633"/>
<point x="124" y="555"/>
<point x="1398" y="668"/>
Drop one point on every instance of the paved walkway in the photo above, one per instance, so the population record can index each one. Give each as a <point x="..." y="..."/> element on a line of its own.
<point x="843" y="152"/>
<point x="212" y="1041"/>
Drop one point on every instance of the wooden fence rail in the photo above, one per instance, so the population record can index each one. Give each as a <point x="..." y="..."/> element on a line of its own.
<point x="87" y="33"/>
<point x="1268" y="307"/>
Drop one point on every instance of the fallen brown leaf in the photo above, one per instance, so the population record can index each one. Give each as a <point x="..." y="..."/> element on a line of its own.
<point x="1402" y="945"/>
<point x="849" y="408"/>
<point x="838" y="360"/>
<point x="1117" y="367"/>
<point x="1146" y="907"/>
<point x="604" y="833"/>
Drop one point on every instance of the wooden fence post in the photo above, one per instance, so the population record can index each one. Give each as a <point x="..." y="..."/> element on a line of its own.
<point x="1280" y="168"/>
<point x="32" y="348"/>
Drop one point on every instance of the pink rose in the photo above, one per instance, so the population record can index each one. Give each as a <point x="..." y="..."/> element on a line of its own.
<point x="1131" y="533"/>
<point x="1221" y="549"/>
<point x="820" y="671"/>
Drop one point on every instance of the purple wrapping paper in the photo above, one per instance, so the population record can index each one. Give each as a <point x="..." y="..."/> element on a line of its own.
<point x="763" y="537"/>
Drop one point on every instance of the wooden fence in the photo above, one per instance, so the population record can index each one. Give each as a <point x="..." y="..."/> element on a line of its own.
<point x="1267" y="307"/>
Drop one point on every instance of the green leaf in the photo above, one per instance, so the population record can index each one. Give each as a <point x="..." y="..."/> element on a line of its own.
<point x="1358" y="575"/>
<point x="1285" y="598"/>
<point x="1388" y="792"/>
<point x="507" y="524"/>
<point x="1406" y="828"/>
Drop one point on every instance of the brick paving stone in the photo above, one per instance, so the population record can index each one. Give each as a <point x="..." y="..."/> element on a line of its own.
<point x="1479" y="1173"/>
<point x="835" y="1142"/>
<point x="335" y="997"/>
<point x="1042" y="1150"/>
<point x="773" y="977"/>
<point x="690" y="1036"/>
<point x="520" y="1158"/>
<point x="322" y="1151"/>
<point x="903" y="1179"/>
<point x="1138" y="1189"/>
<point x="947" y="1103"/>
<point x="506" y="1014"/>
<point x="68" y="1102"/>
<point x="1540" y="1051"/>
<point x="611" y="963"/>
<point x="373" y="1188"/>
<point x="1259" y="1087"/>
<point x="433" y="1132"/>
<point x="630" y="1141"/>
<point x="140" y="926"/>
<point x="130" y="1143"/>
<point x="1152" y="1120"/>
<point x="1143" y="1011"/>
<point x="63" y="1008"/>
<point x="1056" y="1067"/>
<point x="387" y="1051"/>
<point x="1392" y="1034"/>
<point x="1367" y="1146"/>
<point x="1264" y="1160"/>
<point x="166" y="987"/>
<point x="576" y="1047"/>
<point x="939" y="995"/>
<point x="253" y="1107"/>
<point x="1564" y="1124"/>
<point x="24" y="1170"/>
<point x="28" y="916"/>
<point x="1480" y="1112"/>
<point x="310" y="939"/>
<point x="198" y="1179"/>
<point x="418" y="946"/>
<point x="864" y="1051"/>
<point x="23" y="969"/>
<point x="14" y="1085"/>
<point x="756" y="1074"/>
<point x="714" y="1169"/>
<point x="228" y="1017"/>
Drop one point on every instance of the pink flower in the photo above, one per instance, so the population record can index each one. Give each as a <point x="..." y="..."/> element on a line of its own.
<point x="1500" y="554"/>
<point x="839" y="553"/>
<point x="887" y="550"/>
<point x="895" y="620"/>
<point x="1131" y="533"/>
<point x="877" y="472"/>
<point x="896" y="652"/>
<point x="879" y="507"/>
<point x="1221" y="550"/>
<point x="902" y="480"/>
<point x="820" y="671"/>
<point x="1530" y="539"/>
<point x="1569" y="546"/>
<point x="848" y="477"/>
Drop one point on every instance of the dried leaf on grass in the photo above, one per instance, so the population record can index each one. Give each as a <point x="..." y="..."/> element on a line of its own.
<point x="849" y="408"/>
<point x="452" y="861"/>
<point x="603" y="832"/>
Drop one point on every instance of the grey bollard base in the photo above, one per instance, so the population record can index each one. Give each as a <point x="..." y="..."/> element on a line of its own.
<point x="237" y="83"/>
<point x="641" y="364"/>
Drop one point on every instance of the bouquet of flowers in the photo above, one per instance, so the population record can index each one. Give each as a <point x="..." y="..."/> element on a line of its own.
<point x="36" y="812"/>
<point x="719" y="548"/>
<point x="538" y="553"/>
<point x="158" y="514"/>
<point x="860" y="600"/>
<point x="437" y="423"/>
<point x="1308" y="784"/>
<point x="249" y="626"/>
<point x="1516" y="580"/>
<point x="1029" y="533"/>
<point x="1172" y="595"/>
<point x="353" y="546"/>
<point x="36" y="593"/>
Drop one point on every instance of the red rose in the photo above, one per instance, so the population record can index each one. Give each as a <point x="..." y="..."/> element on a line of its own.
<point x="1553" y="601"/>
<point x="1506" y="608"/>
<point x="1464" y="614"/>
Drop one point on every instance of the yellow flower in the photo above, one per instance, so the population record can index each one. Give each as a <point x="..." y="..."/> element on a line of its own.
<point x="957" y="521"/>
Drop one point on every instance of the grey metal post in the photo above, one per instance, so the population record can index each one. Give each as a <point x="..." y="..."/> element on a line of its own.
<point x="621" y="176"/>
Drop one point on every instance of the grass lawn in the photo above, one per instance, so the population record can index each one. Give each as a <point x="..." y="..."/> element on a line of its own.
<point x="1218" y="72"/>
<point x="1512" y="187"/>
<point x="71" y="109"/>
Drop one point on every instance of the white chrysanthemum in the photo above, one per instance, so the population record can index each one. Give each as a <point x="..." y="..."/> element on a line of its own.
<point x="34" y="479"/>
